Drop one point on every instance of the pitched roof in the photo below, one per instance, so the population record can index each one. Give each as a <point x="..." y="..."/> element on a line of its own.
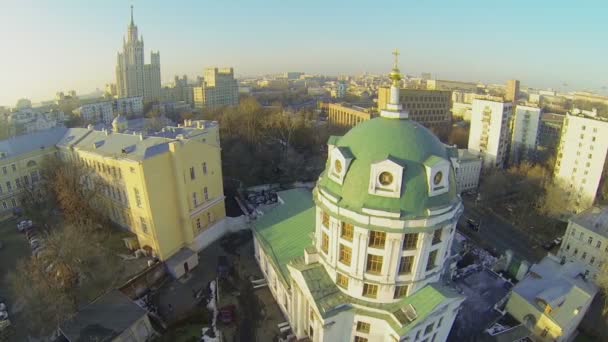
<point x="285" y="231"/>
<point x="23" y="144"/>
<point x="103" y="319"/>
<point x="594" y="219"/>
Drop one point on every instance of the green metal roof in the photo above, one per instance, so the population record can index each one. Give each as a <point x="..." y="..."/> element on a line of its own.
<point x="330" y="300"/>
<point x="285" y="231"/>
<point x="403" y="141"/>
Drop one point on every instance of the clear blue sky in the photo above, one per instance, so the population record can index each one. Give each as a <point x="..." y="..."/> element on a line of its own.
<point x="47" y="46"/>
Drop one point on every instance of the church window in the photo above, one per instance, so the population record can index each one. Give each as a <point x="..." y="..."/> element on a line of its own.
<point x="374" y="263"/>
<point x="370" y="290"/>
<point x="400" y="291"/>
<point x="410" y="241"/>
<point x="377" y="239"/>
<point x="324" y="243"/>
<point x="345" y="255"/>
<point x="346" y="232"/>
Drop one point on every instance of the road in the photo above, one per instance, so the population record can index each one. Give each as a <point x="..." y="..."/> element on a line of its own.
<point x="499" y="234"/>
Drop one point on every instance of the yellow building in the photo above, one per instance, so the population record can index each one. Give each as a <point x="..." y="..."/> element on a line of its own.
<point x="20" y="159"/>
<point x="165" y="187"/>
<point x="341" y="115"/>
<point x="218" y="89"/>
<point x="431" y="108"/>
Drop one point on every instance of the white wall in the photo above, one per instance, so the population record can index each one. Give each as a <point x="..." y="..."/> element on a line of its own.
<point x="526" y="123"/>
<point x="490" y="122"/>
<point x="580" y="158"/>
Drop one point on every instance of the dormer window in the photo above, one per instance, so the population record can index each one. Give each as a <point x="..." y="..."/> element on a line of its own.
<point x="341" y="158"/>
<point x="385" y="178"/>
<point x="437" y="172"/>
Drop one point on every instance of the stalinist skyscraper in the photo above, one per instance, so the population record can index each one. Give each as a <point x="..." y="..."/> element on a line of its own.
<point x="133" y="77"/>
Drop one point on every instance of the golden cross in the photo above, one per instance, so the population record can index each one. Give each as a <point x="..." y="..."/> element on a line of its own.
<point x="396" y="54"/>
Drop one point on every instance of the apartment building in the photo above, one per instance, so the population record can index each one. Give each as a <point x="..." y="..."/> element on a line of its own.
<point x="219" y="88"/>
<point x="550" y="131"/>
<point x="100" y="112"/>
<point x="431" y="108"/>
<point x="525" y="127"/>
<point x="467" y="169"/>
<point x="581" y="156"/>
<point x="490" y="132"/>
<point x="343" y="115"/>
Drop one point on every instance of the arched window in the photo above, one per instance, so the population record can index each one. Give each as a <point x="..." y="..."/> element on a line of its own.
<point x="31" y="163"/>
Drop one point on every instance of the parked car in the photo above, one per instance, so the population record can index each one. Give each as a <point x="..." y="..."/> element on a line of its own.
<point x="550" y="244"/>
<point x="474" y="225"/>
<point x="23" y="225"/>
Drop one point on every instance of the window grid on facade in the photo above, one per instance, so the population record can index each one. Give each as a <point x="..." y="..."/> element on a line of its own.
<point x="363" y="327"/>
<point x="431" y="261"/>
<point x="377" y="239"/>
<point x="324" y="243"/>
<point x="325" y="219"/>
<point x="342" y="280"/>
<point x="192" y="174"/>
<point x="137" y="197"/>
<point x="400" y="291"/>
<point x="144" y="226"/>
<point x="370" y="290"/>
<point x="345" y="255"/>
<point x="437" y="236"/>
<point x="374" y="263"/>
<point x="346" y="231"/>
<point x="410" y="241"/>
<point x="406" y="264"/>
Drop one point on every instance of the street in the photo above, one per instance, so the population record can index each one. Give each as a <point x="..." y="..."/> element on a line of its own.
<point x="499" y="234"/>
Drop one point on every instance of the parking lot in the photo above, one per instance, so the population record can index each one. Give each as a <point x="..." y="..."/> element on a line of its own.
<point x="14" y="248"/>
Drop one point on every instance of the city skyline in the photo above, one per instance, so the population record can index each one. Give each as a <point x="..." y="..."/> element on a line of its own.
<point x="67" y="45"/>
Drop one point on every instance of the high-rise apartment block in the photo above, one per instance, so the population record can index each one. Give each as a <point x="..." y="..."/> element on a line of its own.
<point x="550" y="131"/>
<point x="526" y="123"/>
<point x="490" y="132"/>
<point x="133" y="77"/>
<point x="581" y="156"/>
<point x="219" y="88"/>
<point x="512" y="91"/>
<point x="431" y="108"/>
<point x="179" y="91"/>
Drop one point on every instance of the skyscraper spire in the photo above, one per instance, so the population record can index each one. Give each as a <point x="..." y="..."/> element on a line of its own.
<point x="132" y="23"/>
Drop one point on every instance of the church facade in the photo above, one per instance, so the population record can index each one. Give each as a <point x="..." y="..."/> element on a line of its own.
<point x="361" y="258"/>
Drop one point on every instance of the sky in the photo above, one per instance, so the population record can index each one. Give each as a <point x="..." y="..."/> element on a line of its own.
<point x="49" y="46"/>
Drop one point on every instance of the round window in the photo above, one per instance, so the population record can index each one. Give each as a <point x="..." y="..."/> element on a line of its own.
<point x="438" y="177"/>
<point x="385" y="178"/>
<point x="338" y="166"/>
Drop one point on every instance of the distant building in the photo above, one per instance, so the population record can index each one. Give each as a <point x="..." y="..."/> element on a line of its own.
<point x="461" y="111"/>
<point x="581" y="156"/>
<point x="218" y="89"/>
<point x="467" y="169"/>
<point x="110" y="89"/>
<point x="526" y="124"/>
<point x="111" y="317"/>
<point x="23" y="104"/>
<point x="552" y="300"/>
<point x="343" y="115"/>
<point x="30" y="120"/>
<point x="293" y="75"/>
<point x="590" y="97"/>
<point x="129" y="106"/>
<point x="451" y="85"/>
<point x="67" y="102"/>
<point x="586" y="240"/>
<point x="133" y="77"/>
<point x="550" y="131"/>
<point x="490" y="133"/>
<point x="179" y="91"/>
<point x="339" y="91"/>
<point x="512" y="91"/>
<point x="101" y="112"/>
<point x="431" y="108"/>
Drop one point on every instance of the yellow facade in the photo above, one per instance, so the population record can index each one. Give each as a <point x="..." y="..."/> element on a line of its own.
<point x="543" y="328"/>
<point x="166" y="188"/>
<point x="341" y="115"/>
<point x="20" y="160"/>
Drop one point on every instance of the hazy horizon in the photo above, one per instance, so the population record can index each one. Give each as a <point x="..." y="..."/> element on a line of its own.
<point x="68" y="44"/>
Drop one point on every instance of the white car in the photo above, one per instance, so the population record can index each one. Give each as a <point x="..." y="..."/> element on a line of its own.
<point x="23" y="225"/>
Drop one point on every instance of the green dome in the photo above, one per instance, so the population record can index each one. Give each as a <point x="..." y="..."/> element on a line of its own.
<point x="407" y="143"/>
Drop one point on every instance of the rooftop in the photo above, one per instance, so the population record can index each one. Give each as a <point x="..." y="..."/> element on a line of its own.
<point x="103" y="319"/>
<point x="554" y="284"/>
<point x="594" y="219"/>
<point x="466" y="154"/>
<point x="24" y="144"/>
<point x="287" y="229"/>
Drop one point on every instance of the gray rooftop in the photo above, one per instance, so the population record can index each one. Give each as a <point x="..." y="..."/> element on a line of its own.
<point x="103" y="319"/>
<point x="466" y="155"/>
<point x="24" y="144"/>
<point x="594" y="219"/>
<point x="555" y="284"/>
